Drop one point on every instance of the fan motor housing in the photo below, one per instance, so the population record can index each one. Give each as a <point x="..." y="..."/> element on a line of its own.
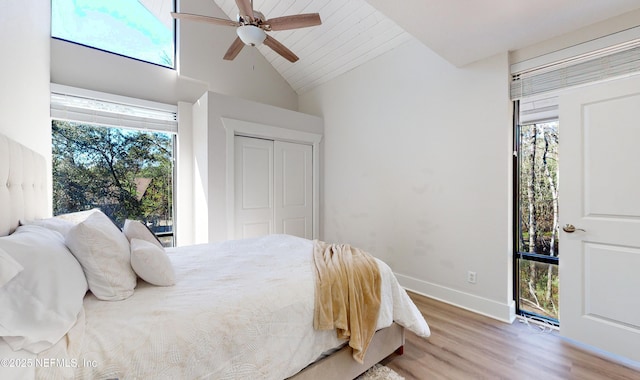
<point x="258" y="18"/>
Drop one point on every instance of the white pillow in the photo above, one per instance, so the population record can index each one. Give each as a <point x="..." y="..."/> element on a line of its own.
<point x="151" y="263"/>
<point x="41" y="303"/>
<point x="104" y="253"/>
<point x="78" y="216"/>
<point x="57" y="224"/>
<point x="63" y="222"/>
<point x="134" y="229"/>
<point x="9" y="267"/>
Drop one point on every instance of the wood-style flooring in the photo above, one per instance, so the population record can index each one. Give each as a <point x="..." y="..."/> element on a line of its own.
<point x="466" y="345"/>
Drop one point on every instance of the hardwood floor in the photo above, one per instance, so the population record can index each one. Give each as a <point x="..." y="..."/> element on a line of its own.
<point x="466" y="345"/>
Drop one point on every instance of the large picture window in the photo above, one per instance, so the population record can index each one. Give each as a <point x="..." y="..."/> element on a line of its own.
<point x="114" y="153"/>
<point x="140" y="29"/>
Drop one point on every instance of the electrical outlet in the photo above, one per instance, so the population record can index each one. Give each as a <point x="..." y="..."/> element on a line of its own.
<point x="471" y="277"/>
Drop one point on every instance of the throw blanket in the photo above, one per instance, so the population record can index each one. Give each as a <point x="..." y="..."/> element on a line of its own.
<point x="347" y="294"/>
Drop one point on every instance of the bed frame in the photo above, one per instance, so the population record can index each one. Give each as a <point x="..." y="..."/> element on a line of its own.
<point x="341" y="365"/>
<point x="24" y="195"/>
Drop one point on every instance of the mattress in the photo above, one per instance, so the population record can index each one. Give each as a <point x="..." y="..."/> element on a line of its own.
<point x="239" y="309"/>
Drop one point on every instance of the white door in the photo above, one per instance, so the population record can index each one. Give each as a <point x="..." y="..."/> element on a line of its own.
<point x="253" y="187"/>
<point x="600" y="193"/>
<point x="293" y="189"/>
<point x="273" y="188"/>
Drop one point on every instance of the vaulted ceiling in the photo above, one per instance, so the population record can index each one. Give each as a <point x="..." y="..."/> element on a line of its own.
<point x="460" y="31"/>
<point x="352" y="32"/>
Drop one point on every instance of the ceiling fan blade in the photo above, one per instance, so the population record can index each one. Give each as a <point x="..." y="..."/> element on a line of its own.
<point x="294" y="22"/>
<point x="280" y="49"/>
<point x="207" y="19"/>
<point x="234" y="49"/>
<point x="245" y="8"/>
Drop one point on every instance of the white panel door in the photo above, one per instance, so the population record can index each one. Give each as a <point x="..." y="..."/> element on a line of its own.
<point x="253" y="188"/>
<point x="600" y="193"/>
<point x="293" y="189"/>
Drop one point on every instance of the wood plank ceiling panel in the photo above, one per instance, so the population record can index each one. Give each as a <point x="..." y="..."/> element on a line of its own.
<point x="352" y="33"/>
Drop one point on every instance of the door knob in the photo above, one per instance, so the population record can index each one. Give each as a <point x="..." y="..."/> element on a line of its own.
<point x="570" y="228"/>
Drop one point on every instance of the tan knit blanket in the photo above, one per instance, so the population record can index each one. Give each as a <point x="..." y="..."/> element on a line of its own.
<point x="347" y="294"/>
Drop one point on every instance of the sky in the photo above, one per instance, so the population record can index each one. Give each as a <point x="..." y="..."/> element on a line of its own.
<point x="124" y="27"/>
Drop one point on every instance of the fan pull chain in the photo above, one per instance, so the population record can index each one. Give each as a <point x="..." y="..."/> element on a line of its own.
<point x="253" y="54"/>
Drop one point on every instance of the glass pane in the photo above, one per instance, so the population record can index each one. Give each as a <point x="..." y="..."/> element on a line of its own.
<point x="539" y="288"/>
<point x="128" y="174"/>
<point x="139" y="29"/>
<point x="538" y="189"/>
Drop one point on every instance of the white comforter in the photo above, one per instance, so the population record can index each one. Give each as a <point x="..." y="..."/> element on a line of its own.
<point x="239" y="310"/>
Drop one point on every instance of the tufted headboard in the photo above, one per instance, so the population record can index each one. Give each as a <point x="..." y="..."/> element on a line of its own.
<point x="23" y="185"/>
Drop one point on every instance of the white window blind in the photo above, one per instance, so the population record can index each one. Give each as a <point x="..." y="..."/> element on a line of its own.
<point x="80" y="105"/>
<point x="616" y="61"/>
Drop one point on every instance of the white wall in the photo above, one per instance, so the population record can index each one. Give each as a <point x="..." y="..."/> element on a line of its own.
<point x="24" y="73"/>
<point x="210" y="152"/>
<point x="201" y="167"/>
<point x="79" y="66"/>
<point x="184" y="210"/>
<point x="417" y="171"/>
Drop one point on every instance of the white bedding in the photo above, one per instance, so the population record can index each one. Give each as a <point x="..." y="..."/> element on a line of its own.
<point x="239" y="310"/>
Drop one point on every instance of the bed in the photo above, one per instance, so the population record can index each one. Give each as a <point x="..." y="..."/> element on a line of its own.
<point x="232" y="310"/>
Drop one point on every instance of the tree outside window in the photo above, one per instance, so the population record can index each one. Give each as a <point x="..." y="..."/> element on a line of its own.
<point x="538" y="219"/>
<point x="126" y="173"/>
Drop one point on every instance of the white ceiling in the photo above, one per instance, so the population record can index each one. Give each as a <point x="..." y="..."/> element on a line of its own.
<point x="464" y="31"/>
<point x="460" y="31"/>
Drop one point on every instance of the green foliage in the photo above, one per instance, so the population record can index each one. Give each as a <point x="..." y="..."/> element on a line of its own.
<point x="544" y="200"/>
<point x="96" y="166"/>
<point x="539" y="304"/>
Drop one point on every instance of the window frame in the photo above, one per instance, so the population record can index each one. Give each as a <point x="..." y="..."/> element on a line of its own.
<point x="517" y="254"/>
<point x="115" y="111"/>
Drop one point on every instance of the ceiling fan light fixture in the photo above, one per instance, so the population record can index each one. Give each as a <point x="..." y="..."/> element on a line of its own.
<point x="251" y="27"/>
<point x="251" y="35"/>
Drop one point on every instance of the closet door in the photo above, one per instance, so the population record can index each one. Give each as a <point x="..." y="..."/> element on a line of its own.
<point x="273" y="188"/>
<point x="293" y="212"/>
<point x="254" y="173"/>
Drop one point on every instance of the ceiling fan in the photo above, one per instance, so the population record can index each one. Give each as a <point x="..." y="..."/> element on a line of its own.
<point x="252" y="27"/>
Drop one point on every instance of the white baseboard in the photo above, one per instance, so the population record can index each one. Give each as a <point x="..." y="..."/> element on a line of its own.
<point x="505" y="312"/>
